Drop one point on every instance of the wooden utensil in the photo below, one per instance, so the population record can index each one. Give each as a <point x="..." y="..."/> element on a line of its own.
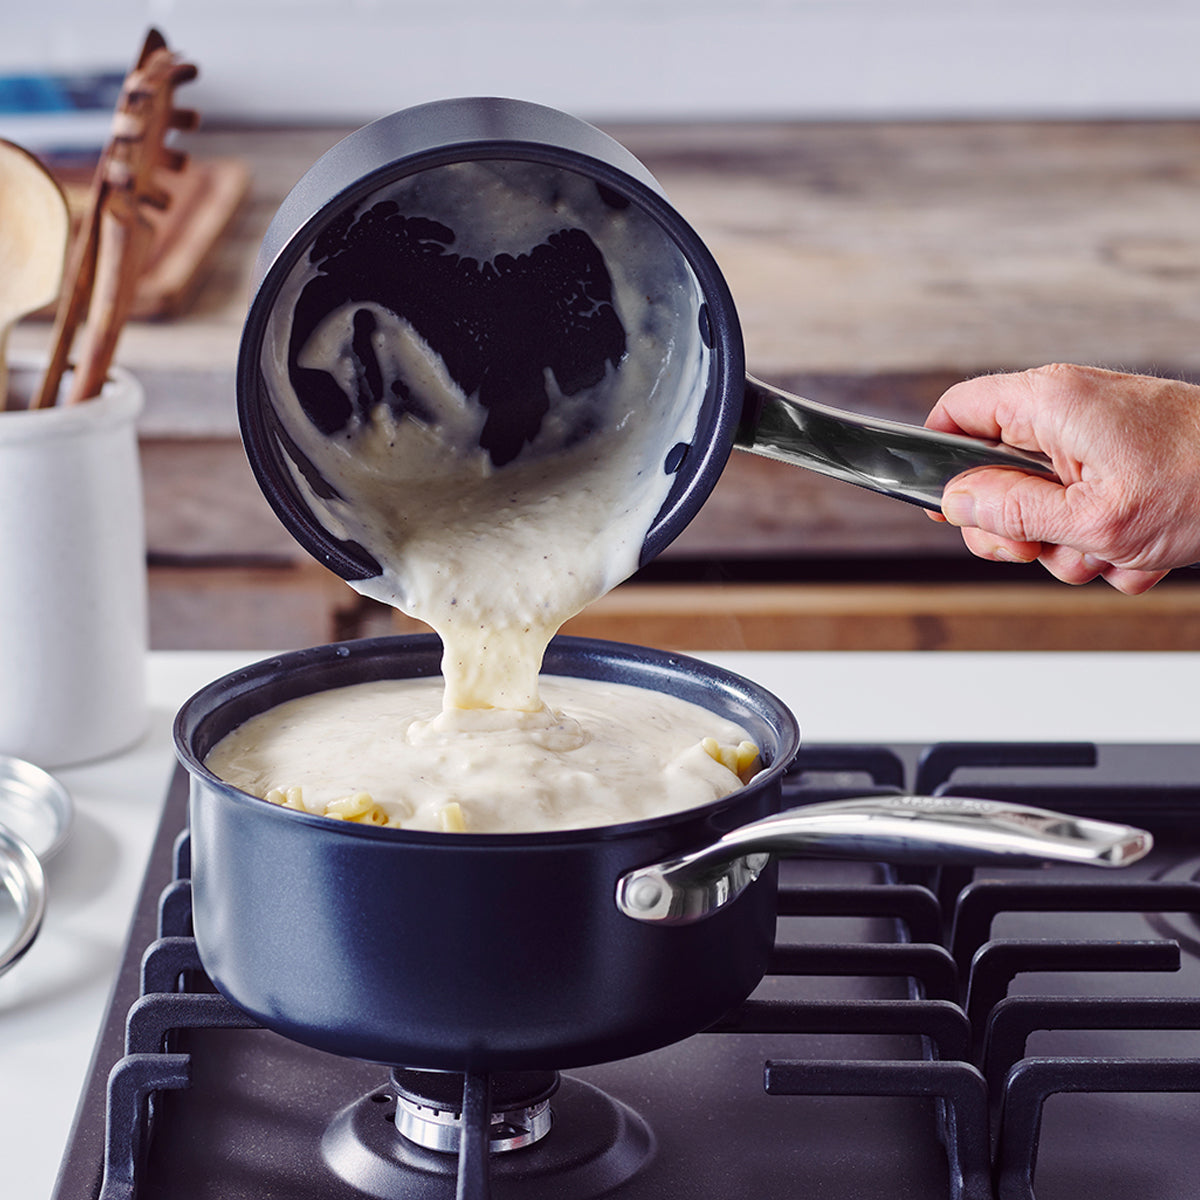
<point x="115" y="234"/>
<point x="34" y="227"/>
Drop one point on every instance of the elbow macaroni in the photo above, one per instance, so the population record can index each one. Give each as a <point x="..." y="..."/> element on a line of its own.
<point x="741" y="759"/>
<point x="450" y="818"/>
<point x="358" y="807"/>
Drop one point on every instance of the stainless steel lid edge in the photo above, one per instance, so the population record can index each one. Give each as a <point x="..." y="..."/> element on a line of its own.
<point x="22" y="876"/>
<point x="35" y="806"/>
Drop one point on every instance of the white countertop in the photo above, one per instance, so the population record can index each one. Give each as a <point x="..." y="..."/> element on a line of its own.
<point x="52" y="1002"/>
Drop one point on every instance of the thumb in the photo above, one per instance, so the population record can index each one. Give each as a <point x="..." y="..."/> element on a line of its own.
<point x="1009" y="504"/>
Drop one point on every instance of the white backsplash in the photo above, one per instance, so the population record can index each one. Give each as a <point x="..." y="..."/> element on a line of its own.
<point x="656" y="59"/>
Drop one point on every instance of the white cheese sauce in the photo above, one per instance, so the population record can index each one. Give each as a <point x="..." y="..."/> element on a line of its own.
<point x="595" y="754"/>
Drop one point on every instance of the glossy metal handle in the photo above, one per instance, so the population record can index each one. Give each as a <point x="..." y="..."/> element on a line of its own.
<point x="21" y="874"/>
<point x="906" y="462"/>
<point x="922" y="829"/>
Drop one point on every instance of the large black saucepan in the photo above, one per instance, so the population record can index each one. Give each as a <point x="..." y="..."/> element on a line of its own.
<point x="529" y="951"/>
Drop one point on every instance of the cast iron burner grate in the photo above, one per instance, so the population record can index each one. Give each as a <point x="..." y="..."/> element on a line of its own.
<point x="142" y="1131"/>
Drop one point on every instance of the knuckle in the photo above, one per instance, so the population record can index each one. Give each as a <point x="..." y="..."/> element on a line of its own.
<point x="1108" y="531"/>
<point x="1013" y="517"/>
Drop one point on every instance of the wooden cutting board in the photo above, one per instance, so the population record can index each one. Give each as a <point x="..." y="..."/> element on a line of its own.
<point x="204" y="197"/>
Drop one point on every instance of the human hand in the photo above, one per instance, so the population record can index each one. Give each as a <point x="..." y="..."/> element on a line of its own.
<point x="1127" y="450"/>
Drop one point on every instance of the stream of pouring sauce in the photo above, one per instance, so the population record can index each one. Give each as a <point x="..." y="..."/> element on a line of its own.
<point x="486" y="374"/>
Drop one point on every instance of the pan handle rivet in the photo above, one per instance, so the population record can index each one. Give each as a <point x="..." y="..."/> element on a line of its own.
<point x="644" y="895"/>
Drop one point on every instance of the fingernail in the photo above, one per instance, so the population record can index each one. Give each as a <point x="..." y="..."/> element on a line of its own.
<point x="1009" y="555"/>
<point x="959" y="508"/>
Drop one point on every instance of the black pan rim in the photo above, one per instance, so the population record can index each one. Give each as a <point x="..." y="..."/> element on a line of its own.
<point x="300" y="665"/>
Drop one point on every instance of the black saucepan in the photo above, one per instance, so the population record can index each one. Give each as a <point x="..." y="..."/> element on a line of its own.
<point x="538" y="950"/>
<point x="340" y="191"/>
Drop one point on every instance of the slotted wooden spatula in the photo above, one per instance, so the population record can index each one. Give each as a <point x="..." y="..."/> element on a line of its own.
<point x="115" y="235"/>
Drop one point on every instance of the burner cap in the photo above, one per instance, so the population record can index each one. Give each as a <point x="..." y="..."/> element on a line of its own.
<point x="444" y="1089"/>
<point x="429" y="1107"/>
<point x="597" y="1144"/>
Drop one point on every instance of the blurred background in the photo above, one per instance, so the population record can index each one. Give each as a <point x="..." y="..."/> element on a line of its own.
<point x="316" y="60"/>
<point x="900" y="193"/>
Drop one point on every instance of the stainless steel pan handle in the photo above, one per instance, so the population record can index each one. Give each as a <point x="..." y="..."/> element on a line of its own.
<point x="22" y="876"/>
<point x="906" y="462"/>
<point x="924" y="829"/>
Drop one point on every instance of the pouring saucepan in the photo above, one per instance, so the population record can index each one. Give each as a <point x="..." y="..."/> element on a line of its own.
<point x="730" y="409"/>
<point x="535" y="950"/>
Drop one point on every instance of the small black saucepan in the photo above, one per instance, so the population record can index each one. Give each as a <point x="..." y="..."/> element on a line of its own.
<point x="533" y="950"/>
<point x="551" y="317"/>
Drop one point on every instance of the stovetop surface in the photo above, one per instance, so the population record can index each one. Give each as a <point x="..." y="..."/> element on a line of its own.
<point x="257" y="1109"/>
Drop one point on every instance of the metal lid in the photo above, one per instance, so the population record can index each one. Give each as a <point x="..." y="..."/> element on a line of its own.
<point x="21" y="875"/>
<point x="34" y="806"/>
<point x="36" y="813"/>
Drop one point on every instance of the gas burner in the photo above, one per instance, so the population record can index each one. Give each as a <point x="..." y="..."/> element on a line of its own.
<point x="429" y="1107"/>
<point x="596" y="1145"/>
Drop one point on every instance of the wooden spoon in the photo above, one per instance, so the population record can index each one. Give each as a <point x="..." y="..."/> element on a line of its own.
<point x="34" y="226"/>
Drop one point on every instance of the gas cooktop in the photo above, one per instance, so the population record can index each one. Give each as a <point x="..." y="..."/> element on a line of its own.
<point x="920" y="1034"/>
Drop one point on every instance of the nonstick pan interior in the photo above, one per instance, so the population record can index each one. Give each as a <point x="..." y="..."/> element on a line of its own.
<point x="359" y="190"/>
